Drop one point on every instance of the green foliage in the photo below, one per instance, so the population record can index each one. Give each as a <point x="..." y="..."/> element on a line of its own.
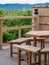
<point x="10" y="35"/>
<point x="17" y="22"/>
<point x="7" y="36"/>
<point x="2" y="12"/>
<point x="24" y="31"/>
<point x="25" y="13"/>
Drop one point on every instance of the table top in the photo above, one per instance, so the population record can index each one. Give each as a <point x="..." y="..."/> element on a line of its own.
<point x="38" y="33"/>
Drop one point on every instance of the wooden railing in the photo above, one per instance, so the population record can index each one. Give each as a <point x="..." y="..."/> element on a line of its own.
<point x="12" y="28"/>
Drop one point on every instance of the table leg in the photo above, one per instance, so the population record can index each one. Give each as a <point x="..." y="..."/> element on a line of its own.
<point x="42" y="44"/>
<point x="11" y="49"/>
<point x="34" y="42"/>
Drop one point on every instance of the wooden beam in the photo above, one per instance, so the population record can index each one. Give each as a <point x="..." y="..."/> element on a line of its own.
<point x="14" y="17"/>
<point x="43" y="15"/>
<point x="17" y="27"/>
<point x="0" y="34"/>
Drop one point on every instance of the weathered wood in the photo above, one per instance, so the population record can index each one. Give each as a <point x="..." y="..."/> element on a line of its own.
<point x="19" y="33"/>
<point x="36" y="22"/>
<point x="17" y="27"/>
<point x="42" y="10"/>
<point x="43" y="21"/>
<point x="30" y="58"/>
<point x="29" y="49"/>
<point x="41" y="34"/>
<point x="46" y="52"/>
<point x="12" y="28"/>
<point x="11" y="49"/>
<point x="14" y="17"/>
<point x="1" y="39"/>
<point x="43" y="15"/>
<point x="19" y="57"/>
<point x="48" y="58"/>
<point x="17" y="41"/>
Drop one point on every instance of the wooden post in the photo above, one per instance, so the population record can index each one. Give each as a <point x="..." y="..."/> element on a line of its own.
<point x="36" y="22"/>
<point x="0" y="34"/>
<point x="32" y="21"/>
<point x="35" y="19"/>
<point x="19" y="33"/>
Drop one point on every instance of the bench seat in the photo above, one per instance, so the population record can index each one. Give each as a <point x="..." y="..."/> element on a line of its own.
<point x="18" y="41"/>
<point x="21" y="40"/>
<point x="45" y="50"/>
<point x="28" y="48"/>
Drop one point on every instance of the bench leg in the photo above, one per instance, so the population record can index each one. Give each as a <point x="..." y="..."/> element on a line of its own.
<point x="19" y="57"/>
<point x="28" y="43"/>
<point x="30" y="57"/>
<point x="11" y="49"/>
<point x="48" y="58"/>
<point x="45" y="58"/>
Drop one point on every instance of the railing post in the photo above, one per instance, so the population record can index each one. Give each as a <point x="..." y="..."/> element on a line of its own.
<point x="1" y="34"/>
<point x="19" y="33"/>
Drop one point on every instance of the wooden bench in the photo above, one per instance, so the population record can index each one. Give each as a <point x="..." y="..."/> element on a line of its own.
<point x="16" y="41"/>
<point x="29" y="49"/>
<point x="22" y="40"/>
<point x="46" y="53"/>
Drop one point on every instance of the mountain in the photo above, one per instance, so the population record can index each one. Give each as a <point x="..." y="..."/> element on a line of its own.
<point x="18" y="6"/>
<point x="41" y="4"/>
<point x="15" y="6"/>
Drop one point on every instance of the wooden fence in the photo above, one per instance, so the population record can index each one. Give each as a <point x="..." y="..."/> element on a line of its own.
<point x="12" y="28"/>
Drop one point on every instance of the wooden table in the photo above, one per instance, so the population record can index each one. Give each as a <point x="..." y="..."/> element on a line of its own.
<point x="41" y="34"/>
<point x="35" y="34"/>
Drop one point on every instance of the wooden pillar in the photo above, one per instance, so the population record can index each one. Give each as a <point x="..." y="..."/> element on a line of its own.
<point x="1" y="34"/>
<point x="35" y="18"/>
<point x="36" y="22"/>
